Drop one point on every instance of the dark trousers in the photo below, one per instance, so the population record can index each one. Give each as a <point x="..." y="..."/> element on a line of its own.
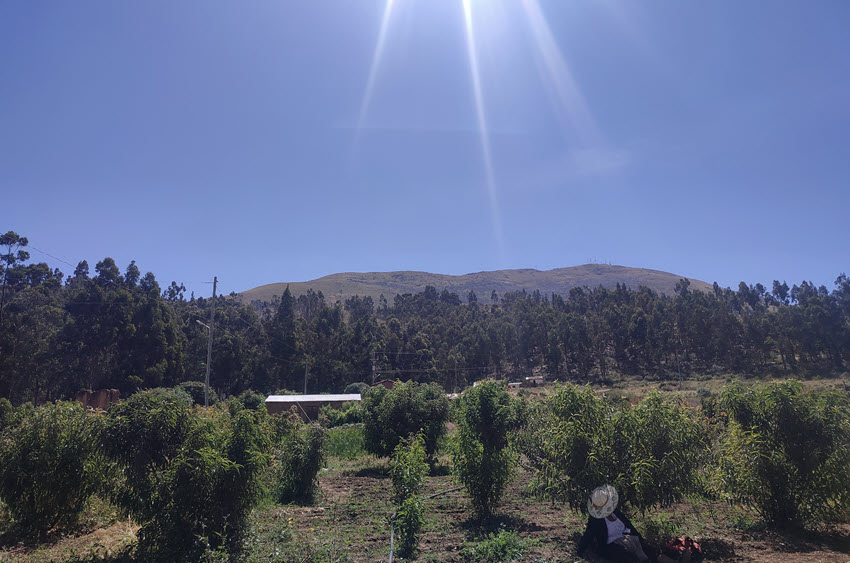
<point x="619" y="554"/>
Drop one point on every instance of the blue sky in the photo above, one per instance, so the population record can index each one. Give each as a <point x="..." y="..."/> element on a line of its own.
<point x="283" y="140"/>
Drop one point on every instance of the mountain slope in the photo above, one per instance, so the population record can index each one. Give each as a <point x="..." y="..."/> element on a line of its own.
<point x="560" y="281"/>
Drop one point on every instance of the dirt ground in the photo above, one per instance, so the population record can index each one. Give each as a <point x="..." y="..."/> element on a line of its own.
<point x="353" y="510"/>
<point x="349" y="522"/>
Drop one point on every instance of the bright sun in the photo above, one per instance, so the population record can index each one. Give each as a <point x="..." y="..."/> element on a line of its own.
<point x="556" y="75"/>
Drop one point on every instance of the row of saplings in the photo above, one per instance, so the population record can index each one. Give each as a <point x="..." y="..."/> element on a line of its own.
<point x="777" y="449"/>
<point x="190" y="476"/>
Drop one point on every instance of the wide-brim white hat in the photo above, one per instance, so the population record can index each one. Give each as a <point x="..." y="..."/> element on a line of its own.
<point x="602" y="502"/>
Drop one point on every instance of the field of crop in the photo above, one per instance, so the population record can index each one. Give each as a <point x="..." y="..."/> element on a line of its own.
<point x="348" y="522"/>
<point x="348" y="517"/>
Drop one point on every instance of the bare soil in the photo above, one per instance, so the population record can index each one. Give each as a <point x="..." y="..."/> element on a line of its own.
<point x="353" y="511"/>
<point x="349" y="521"/>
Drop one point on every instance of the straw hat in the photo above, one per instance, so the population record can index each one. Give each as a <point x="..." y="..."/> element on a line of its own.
<point x="602" y="502"/>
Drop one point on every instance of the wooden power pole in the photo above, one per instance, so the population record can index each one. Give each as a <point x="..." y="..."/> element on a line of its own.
<point x="209" y="348"/>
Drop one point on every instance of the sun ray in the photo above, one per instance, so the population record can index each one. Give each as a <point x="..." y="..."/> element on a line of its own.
<point x="573" y="104"/>
<point x="376" y="61"/>
<point x="482" y="127"/>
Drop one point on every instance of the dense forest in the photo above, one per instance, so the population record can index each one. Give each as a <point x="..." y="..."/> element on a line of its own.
<point x="104" y="329"/>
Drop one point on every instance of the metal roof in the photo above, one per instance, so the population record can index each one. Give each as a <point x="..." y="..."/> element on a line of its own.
<point x="312" y="398"/>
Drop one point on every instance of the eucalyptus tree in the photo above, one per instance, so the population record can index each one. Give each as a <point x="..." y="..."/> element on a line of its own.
<point x="14" y="253"/>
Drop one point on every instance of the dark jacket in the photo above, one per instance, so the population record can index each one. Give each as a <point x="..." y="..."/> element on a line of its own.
<point x="598" y="530"/>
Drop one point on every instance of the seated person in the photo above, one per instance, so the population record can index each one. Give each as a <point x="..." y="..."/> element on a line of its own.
<point x="615" y="536"/>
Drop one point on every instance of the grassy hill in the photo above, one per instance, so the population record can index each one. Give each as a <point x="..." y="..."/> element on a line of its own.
<point x="560" y="281"/>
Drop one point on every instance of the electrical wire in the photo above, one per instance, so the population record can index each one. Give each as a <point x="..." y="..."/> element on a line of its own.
<point x="50" y="255"/>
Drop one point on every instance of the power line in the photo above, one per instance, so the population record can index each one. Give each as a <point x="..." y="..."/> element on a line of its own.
<point x="51" y="256"/>
<point x="29" y="246"/>
<point x="132" y="289"/>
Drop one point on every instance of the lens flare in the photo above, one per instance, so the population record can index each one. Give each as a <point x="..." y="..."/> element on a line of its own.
<point x="376" y="61"/>
<point x="572" y="102"/>
<point x="483" y="133"/>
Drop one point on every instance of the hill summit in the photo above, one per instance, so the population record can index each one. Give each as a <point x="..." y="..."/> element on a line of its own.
<point x="560" y="281"/>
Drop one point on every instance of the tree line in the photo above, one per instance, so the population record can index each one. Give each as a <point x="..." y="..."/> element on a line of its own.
<point x="105" y="329"/>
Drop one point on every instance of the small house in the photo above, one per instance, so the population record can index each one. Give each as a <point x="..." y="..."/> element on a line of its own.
<point x="307" y="406"/>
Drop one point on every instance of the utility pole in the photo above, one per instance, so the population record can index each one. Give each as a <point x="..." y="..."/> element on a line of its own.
<point x="455" y="374"/>
<point x="373" y="367"/>
<point x="209" y="347"/>
<point x="306" y="368"/>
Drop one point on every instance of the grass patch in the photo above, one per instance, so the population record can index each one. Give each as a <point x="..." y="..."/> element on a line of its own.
<point x="281" y="543"/>
<point x="658" y="528"/>
<point x="747" y="521"/>
<point x="111" y="544"/>
<point x="504" y="545"/>
<point x="345" y="442"/>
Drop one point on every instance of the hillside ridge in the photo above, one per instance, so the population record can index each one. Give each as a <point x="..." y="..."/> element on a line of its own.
<point x="343" y="285"/>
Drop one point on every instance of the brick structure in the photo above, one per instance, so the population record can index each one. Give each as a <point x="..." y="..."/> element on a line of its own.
<point x="100" y="399"/>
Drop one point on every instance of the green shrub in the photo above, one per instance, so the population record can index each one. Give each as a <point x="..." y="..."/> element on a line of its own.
<point x="282" y="425"/>
<point x="23" y="411"/>
<point x="408" y="472"/>
<point x="143" y="434"/>
<point x="191" y="476"/>
<point x="390" y="416"/>
<point x="659" y="449"/>
<point x="299" y="456"/>
<point x="787" y="453"/>
<point x="408" y="469"/>
<point x="173" y="393"/>
<point x="49" y="465"/>
<point x="7" y="411"/>
<point x="251" y="399"/>
<point x="498" y="546"/>
<point x="616" y="400"/>
<point x="708" y="407"/>
<point x="195" y="389"/>
<point x="658" y="528"/>
<point x="480" y="454"/>
<point x="408" y="522"/>
<point x="358" y="387"/>
<point x="652" y="453"/>
<point x="350" y="413"/>
<point x="560" y="441"/>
